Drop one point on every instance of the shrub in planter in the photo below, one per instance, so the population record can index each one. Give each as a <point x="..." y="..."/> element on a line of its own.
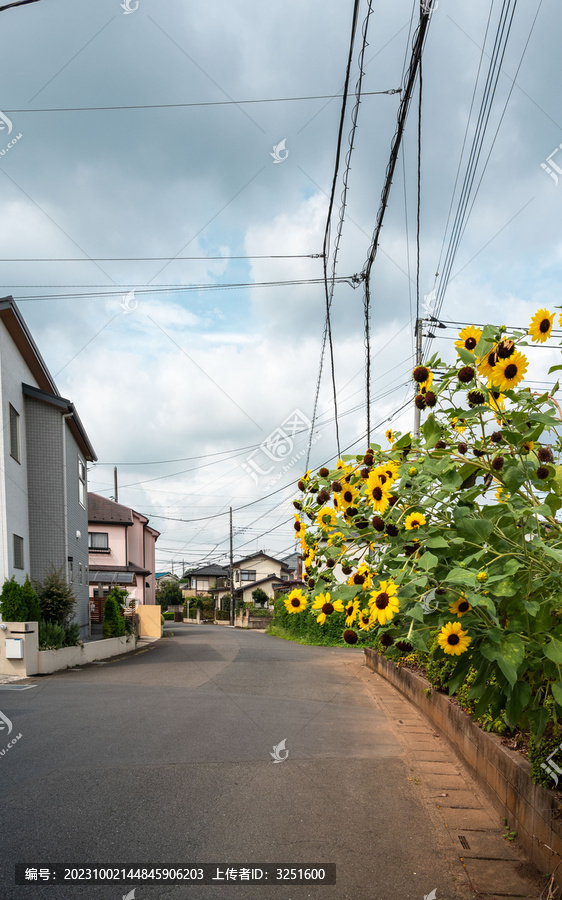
<point x="13" y="603"/>
<point x="32" y="601"/>
<point x="56" y="597"/>
<point x="52" y="636"/>
<point x="168" y="616"/>
<point x="72" y="635"/>
<point x="113" y="624"/>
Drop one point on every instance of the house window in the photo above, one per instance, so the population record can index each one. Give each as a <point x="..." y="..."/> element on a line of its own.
<point x="18" y="552"/>
<point x="248" y="574"/>
<point x="70" y="569"/>
<point x="14" y="434"/>
<point x="81" y="482"/>
<point x="80" y="573"/>
<point x="98" y="542"/>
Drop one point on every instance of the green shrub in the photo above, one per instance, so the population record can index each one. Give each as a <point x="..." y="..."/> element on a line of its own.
<point x="13" y="602"/>
<point x="226" y="603"/>
<point x="260" y="612"/>
<point x="56" y="597"/>
<point x="32" y="601"/>
<point x="259" y="596"/>
<point x="52" y="636"/>
<point x="72" y="635"/>
<point x="222" y="615"/>
<point x="305" y="627"/>
<point x="167" y="616"/>
<point x="113" y="624"/>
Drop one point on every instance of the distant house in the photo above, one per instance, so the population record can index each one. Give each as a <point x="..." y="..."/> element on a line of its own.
<point x="204" y="579"/>
<point x="44" y="452"/>
<point x="122" y="548"/>
<point x="258" y="570"/>
<point x="165" y="578"/>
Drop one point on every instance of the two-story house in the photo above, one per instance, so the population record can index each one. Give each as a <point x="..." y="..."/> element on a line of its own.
<point x="122" y="551"/>
<point x="204" y="580"/>
<point x="44" y="451"/>
<point x="258" y="570"/>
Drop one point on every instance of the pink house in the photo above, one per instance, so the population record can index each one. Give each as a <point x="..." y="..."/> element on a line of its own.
<point x="121" y="551"/>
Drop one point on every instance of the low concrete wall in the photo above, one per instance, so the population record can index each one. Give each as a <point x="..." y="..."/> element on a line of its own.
<point x="54" y="660"/>
<point x="150" y="621"/>
<point x="530" y="809"/>
<point x="246" y="620"/>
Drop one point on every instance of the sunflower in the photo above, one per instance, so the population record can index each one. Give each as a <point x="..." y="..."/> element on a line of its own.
<point x="469" y="337"/>
<point x="346" y="498"/>
<point x="335" y="538"/>
<point x="541" y="325"/>
<point x="425" y="385"/>
<point x="487" y="364"/>
<point x="389" y="435"/>
<point x="414" y="521"/>
<point x="377" y="492"/>
<point x="384" y="603"/>
<point x="459" y="425"/>
<point x="495" y="398"/>
<point x="452" y="639"/>
<point x="527" y="446"/>
<point x="461" y="606"/>
<point x="326" y="607"/>
<point x="309" y="556"/>
<point x="296" y="601"/>
<point x="498" y="494"/>
<point x="351" y="608"/>
<point x="363" y="576"/>
<point x="366" y="620"/>
<point x="509" y="372"/>
<point x="326" y="517"/>
<point x="299" y="527"/>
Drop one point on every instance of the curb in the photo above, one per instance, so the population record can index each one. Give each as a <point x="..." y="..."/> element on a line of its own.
<point x="530" y="809"/>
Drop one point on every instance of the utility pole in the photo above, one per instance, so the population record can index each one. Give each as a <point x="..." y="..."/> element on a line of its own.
<point x="231" y="574"/>
<point x="115" y="483"/>
<point x="417" y="412"/>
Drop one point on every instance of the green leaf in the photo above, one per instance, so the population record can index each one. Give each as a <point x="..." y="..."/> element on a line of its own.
<point x="417" y="642"/>
<point x="437" y="543"/>
<point x="428" y="561"/>
<point x="553" y="502"/>
<point x="467" y="356"/>
<point x="504" y="588"/>
<point x="554" y="650"/>
<point x="554" y="369"/>
<point x="477" y="530"/>
<point x="459" y="674"/>
<point x="416" y="612"/>
<point x="431" y="430"/>
<point x="513" y="476"/>
<point x="461" y="576"/>
<point x="518" y="701"/>
<point x="532" y="607"/>
<point x="511" y="655"/>
<point x="557" y="686"/>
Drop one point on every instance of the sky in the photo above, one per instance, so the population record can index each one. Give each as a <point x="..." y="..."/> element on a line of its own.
<point x="203" y="394"/>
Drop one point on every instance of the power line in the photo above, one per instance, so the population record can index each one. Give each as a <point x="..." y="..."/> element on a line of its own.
<point x="186" y="105"/>
<point x="74" y="259"/>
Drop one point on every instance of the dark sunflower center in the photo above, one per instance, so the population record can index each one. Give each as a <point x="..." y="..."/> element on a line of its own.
<point x="382" y="601"/>
<point x="383" y="478"/>
<point x="511" y="371"/>
<point x="453" y="639"/>
<point x="349" y="611"/>
<point x="470" y="343"/>
<point x="464" y="606"/>
<point x="365" y="620"/>
<point x="348" y="496"/>
<point x="492" y="359"/>
<point x="295" y="601"/>
<point x="544" y="326"/>
<point x="377" y="493"/>
<point x="327" y="609"/>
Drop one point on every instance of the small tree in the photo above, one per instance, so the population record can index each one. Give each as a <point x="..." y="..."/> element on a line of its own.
<point x="226" y="603"/>
<point x="113" y="624"/>
<point x="32" y="601"/>
<point x="169" y="595"/>
<point x="56" y="597"/>
<point x="259" y="596"/>
<point x="12" y="602"/>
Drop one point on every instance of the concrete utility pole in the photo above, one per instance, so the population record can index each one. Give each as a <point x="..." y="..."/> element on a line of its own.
<point x="417" y="412"/>
<point x="231" y="574"/>
<point x="115" y="484"/>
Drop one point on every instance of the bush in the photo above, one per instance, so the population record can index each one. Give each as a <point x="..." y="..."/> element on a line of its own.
<point x="306" y="628"/>
<point x="56" y="597"/>
<point x="259" y="596"/>
<point x="52" y="636"/>
<point x="32" y="601"/>
<point x="226" y="603"/>
<point x="12" y="602"/>
<point x="261" y="612"/>
<point x="222" y="615"/>
<point x="113" y="624"/>
<point x="167" y="616"/>
<point x="72" y="635"/>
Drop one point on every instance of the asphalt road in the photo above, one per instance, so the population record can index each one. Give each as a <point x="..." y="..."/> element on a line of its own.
<point x="164" y="758"/>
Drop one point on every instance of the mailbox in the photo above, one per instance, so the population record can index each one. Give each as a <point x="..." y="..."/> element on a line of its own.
<point x="14" y="648"/>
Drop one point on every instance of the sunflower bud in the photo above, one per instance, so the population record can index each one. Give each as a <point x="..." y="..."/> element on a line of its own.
<point x="421" y="374"/>
<point x="497" y="463"/>
<point x="545" y="454"/>
<point x="466" y="374"/>
<point x="324" y="472"/>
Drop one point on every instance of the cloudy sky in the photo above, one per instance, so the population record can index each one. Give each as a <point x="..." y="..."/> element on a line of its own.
<point x="181" y="383"/>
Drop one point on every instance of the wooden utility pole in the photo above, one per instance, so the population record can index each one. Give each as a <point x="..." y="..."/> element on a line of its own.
<point x="231" y="574"/>
<point x="417" y="412"/>
<point x="115" y="484"/>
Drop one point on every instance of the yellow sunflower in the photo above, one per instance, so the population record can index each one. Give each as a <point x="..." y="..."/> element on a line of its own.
<point x="377" y="492"/>
<point x="541" y="326"/>
<point x="458" y="424"/>
<point x="326" y="607"/>
<point x="527" y="446"/>
<point x="487" y="364"/>
<point x="509" y="372"/>
<point x="384" y="602"/>
<point x="346" y="497"/>
<point x="326" y="517"/>
<point x="496" y="399"/>
<point x="365" y="573"/>
<point x="299" y="527"/>
<point x="309" y="556"/>
<point x="296" y="601"/>
<point x="389" y="435"/>
<point x="460" y="607"/>
<point x="366" y="620"/>
<point x="351" y="608"/>
<point x="414" y="521"/>
<point x="335" y="538"/>
<point x="425" y="385"/>
<point x="498" y="494"/>
<point x="452" y="639"/>
<point x="469" y="337"/>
